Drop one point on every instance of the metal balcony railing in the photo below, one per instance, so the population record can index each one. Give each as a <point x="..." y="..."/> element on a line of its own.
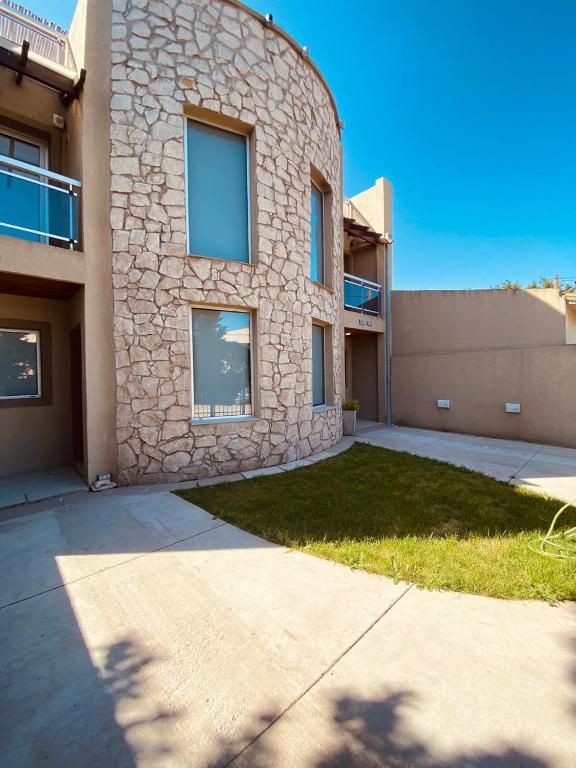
<point x="361" y="295"/>
<point x="18" y="24"/>
<point x="38" y="205"/>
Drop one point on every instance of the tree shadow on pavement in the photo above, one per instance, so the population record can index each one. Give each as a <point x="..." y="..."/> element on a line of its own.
<point x="374" y="734"/>
<point x="365" y="733"/>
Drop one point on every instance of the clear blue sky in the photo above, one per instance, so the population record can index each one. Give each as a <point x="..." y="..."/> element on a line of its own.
<point x="469" y="107"/>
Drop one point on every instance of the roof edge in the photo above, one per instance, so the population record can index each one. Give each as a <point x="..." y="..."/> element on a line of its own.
<point x="296" y="46"/>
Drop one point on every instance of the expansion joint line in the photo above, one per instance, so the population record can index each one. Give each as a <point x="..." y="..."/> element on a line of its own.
<point x="110" y="567"/>
<point x="320" y="677"/>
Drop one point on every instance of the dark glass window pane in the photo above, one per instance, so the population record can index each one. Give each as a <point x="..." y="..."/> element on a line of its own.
<point x="22" y="203"/>
<point x="221" y="363"/>
<point x="26" y="153"/>
<point x="217" y="193"/>
<point x="317" y="241"/>
<point x="318" y="388"/>
<point x="19" y="363"/>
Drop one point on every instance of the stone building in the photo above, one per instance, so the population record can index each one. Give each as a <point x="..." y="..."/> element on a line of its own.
<point x="173" y="288"/>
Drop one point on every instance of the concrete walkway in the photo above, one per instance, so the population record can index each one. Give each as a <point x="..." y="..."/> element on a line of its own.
<point x="138" y="630"/>
<point x="542" y="468"/>
<point x="34" y="486"/>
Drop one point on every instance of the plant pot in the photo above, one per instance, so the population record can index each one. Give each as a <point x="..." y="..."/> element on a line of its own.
<point x="349" y="422"/>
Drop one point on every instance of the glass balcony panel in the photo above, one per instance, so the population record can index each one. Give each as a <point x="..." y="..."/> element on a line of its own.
<point x="33" y="209"/>
<point x="361" y="296"/>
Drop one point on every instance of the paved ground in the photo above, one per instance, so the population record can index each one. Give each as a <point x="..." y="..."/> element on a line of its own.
<point x="18" y="489"/>
<point x="539" y="467"/>
<point x="138" y="630"/>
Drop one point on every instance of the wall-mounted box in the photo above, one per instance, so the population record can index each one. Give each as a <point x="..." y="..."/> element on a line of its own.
<point x="443" y="403"/>
<point x="512" y="407"/>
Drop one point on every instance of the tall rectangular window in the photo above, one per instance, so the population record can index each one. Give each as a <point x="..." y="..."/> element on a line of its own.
<point x="218" y="193"/>
<point x="19" y="364"/>
<point x="221" y="365"/>
<point x="318" y="366"/>
<point x="317" y="234"/>
<point x="24" y="202"/>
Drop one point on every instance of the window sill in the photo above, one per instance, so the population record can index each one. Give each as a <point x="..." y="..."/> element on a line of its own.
<point x="323" y="408"/>
<point x="252" y="264"/>
<point x="224" y="420"/>
<point x="322" y="285"/>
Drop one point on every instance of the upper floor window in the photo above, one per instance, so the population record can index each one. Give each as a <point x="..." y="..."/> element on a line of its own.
<point x="217" y="192"/>
<point x="35" y="203"/>
<point x="317" y="235"/>
<point x="24" y="204"/>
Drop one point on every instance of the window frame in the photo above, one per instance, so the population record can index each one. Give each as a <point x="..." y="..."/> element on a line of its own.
<point x="43" y="146"/>
<point x="252" y="320"/>
<point x="38" y="363"/>
<point x="322" y="192"/>
<point x="249" y="216"/>
<point x="324" y="403"/>
<point x="44" y="332"/>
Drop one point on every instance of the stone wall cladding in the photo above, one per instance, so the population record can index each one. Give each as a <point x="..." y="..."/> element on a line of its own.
<point x="214" y="54"/>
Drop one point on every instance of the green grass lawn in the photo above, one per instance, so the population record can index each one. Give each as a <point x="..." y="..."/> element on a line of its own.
<point x="411" y="518"/>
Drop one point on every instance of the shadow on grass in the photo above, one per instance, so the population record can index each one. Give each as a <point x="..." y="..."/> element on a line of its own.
<point x="372" y="492"/>
<point x="365" y="733"/>
<point x="411" y="518"/>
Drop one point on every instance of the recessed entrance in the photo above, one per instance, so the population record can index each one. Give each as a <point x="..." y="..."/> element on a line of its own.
<point x="363" y="374"/>
<point x="41" y="380"/>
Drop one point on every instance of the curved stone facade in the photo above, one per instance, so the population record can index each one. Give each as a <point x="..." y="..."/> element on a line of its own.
<point x="167" y="58"/>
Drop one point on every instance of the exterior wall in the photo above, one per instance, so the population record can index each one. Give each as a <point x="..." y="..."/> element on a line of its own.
<point x="33" y="105"/>
<point x="82" y="151"/>
<point x="375" y="204"/>
<point x="89" y="129"/>
<point x="480" y="349"/>
<point x="368" y="357"/>
<point x="168" y="59"/>
<point x="454" y="321"/>
<point x="35" y="436"/>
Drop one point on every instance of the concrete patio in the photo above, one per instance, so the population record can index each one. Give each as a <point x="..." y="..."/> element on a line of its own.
<point x="35" y="486"/>
<point x="138" y="630"/>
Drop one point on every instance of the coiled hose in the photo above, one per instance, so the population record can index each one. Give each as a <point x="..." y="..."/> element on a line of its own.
<point x="562" y="545"/>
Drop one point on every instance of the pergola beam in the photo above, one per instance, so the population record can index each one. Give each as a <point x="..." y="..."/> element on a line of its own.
<point x="20" y="63"/>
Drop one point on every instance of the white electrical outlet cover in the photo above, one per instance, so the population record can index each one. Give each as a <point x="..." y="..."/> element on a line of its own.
<point x="513" y="407"/>
<point x="443" y="403"/>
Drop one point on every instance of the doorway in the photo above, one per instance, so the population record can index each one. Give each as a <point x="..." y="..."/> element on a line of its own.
<point x="361" y="373"/>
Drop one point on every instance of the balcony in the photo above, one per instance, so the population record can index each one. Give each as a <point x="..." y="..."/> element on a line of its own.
<point x="46" y="40"/>
<point x="361" y="295"/>
<point x="37" y="204"/>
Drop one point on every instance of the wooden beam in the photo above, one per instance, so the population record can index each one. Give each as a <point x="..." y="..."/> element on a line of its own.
<point x="23" y="60"/>
<point x="39" y="73"/>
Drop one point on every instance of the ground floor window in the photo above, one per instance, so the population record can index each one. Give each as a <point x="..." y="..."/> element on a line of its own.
<point x="19" y="364"/>
<point x="221" y="363"/>
<point x="318" y="367"/>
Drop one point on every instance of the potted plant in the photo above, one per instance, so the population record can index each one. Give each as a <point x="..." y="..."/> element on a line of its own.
<point x="349" y="408"/>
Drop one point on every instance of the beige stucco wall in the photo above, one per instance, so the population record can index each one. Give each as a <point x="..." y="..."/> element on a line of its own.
<point x="480" y="349"/>
<point x="220" y="57"/>
<point x="375" y="204"/>
<point x="33" y="436"/>
<point x="89" y="129"/>
<point x="449" y="321"/>
<point x="82" y="151"/>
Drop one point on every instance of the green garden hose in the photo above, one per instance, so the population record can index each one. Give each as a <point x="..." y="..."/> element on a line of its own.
<point x="560" y="545"/>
